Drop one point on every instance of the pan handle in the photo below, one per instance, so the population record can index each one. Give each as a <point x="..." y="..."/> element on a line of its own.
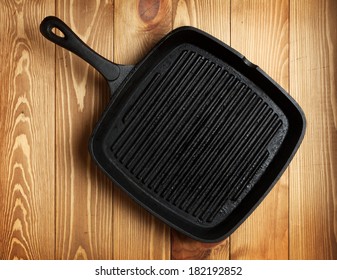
<point x="70" y="41"/>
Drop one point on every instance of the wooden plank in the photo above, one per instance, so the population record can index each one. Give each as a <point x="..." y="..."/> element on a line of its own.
<point x="313" y="181"/>
<point x="84" y="195"/>
<point x="260" y="31"/>
<point x="214" y="18"/>
<point x="211" y="16"/>
<point x="27" y="115"/>
<point x="94" y="221"/>
<point x="138" y="25"/>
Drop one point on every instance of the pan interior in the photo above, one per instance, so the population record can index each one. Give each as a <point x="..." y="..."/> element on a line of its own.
<point x="190" y="135"/>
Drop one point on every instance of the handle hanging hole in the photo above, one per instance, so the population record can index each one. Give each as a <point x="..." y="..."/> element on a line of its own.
<point x="58" y="32"/>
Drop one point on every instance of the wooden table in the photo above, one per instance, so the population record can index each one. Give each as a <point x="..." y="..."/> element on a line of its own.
<point x="56" y="204"/>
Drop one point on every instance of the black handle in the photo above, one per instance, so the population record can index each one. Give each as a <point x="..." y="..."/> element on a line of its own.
<point x="70" y="41"/>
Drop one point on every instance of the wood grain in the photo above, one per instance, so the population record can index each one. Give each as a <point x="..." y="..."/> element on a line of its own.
<point x="138" y="25"/>
<point x="214" y="18"/>
<point x="27" y="91"/>
<point x="84" y="196"/>
<point x="260" y="31"/>
<point x="313" y="181"/>
<point x="56" y="204"/>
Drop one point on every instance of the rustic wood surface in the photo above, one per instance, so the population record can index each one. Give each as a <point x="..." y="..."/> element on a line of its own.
<point x="84" y="209"/>
<point x="56" y="204"/>
<point x="313" y="174"/>
<point x="27" y="133"/>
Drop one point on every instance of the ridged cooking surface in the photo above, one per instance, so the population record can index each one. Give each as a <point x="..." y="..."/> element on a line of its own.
<point x="196" y="136"/>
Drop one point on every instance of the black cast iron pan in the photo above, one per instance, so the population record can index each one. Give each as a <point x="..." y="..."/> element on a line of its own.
<point x="194" y="132"/>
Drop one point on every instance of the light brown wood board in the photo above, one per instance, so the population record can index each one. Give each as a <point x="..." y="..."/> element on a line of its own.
<point x="313" y="173"/>
<point x="27" y="133"/>
<point x="56" y="204"/>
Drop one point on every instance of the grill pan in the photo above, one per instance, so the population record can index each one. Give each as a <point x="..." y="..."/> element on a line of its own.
<point x="194" y="132"/>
